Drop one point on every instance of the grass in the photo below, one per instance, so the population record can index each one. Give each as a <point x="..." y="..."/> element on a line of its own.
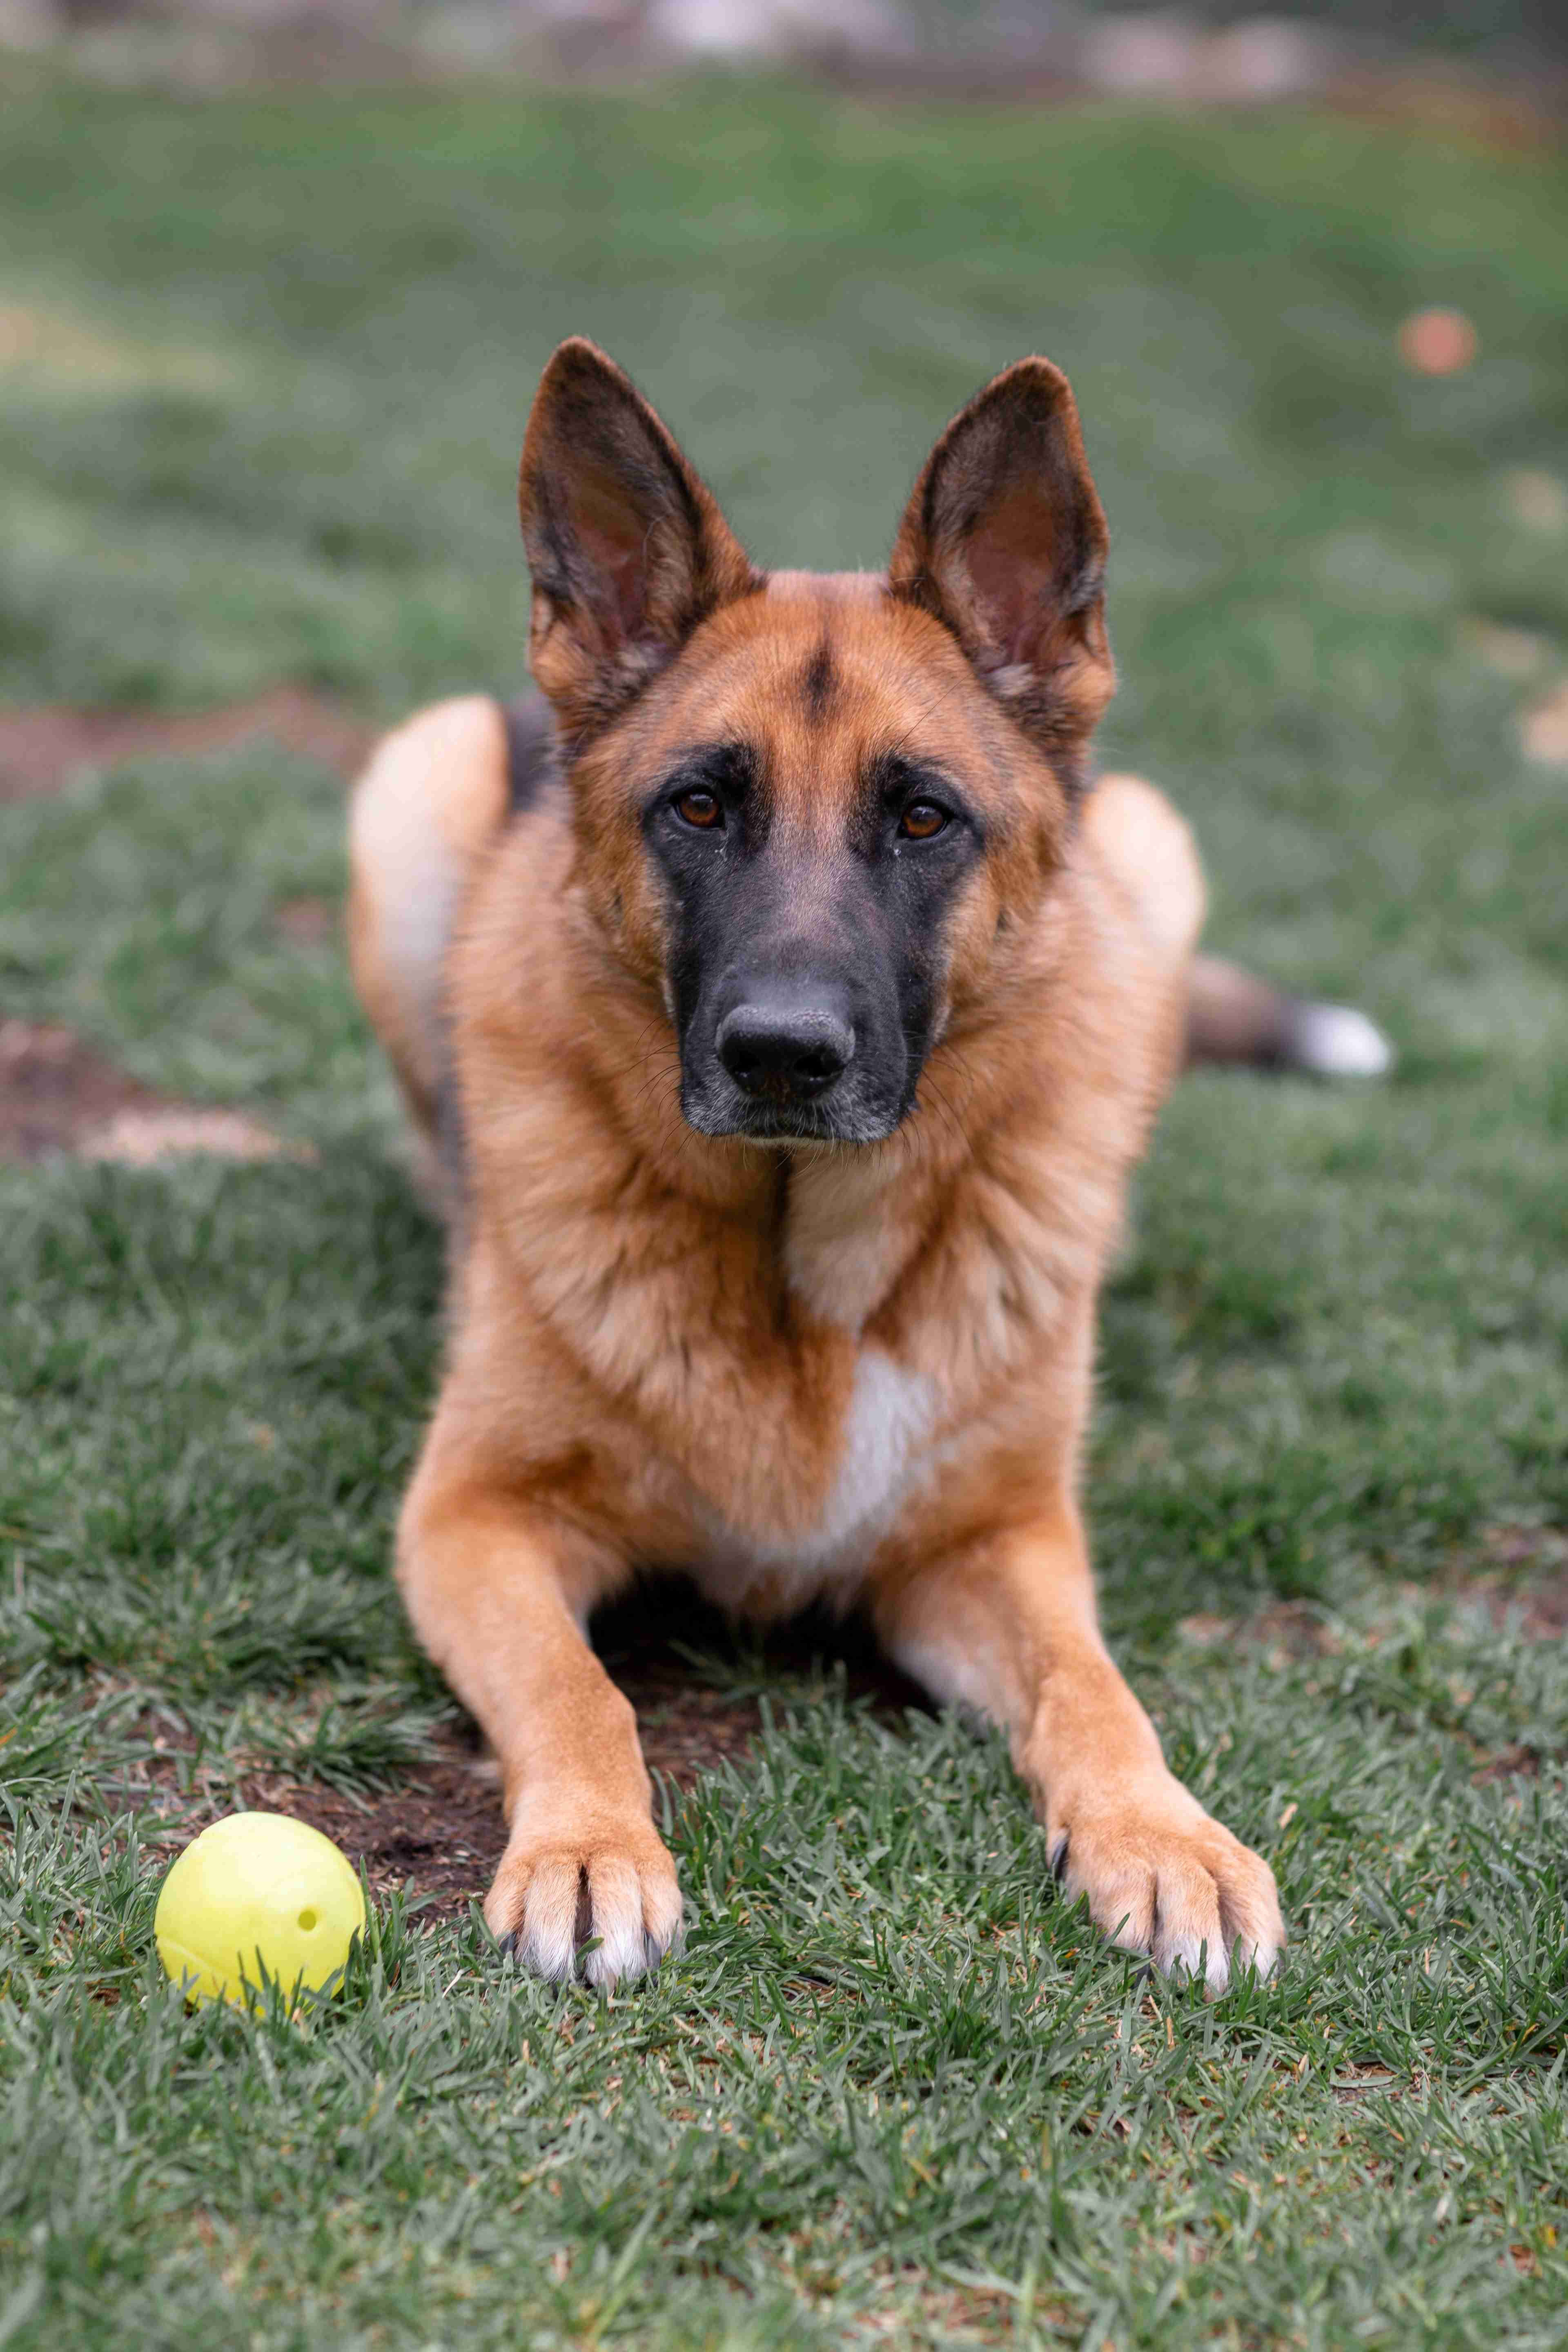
<point x="278" y="355"/>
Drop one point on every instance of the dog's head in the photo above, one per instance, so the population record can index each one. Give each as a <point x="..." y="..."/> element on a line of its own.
<point x="811" y="810"/>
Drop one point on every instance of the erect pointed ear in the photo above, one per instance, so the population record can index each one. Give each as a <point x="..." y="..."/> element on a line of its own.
<point x="628" y="546"/>
<point x="1004" y="541"/>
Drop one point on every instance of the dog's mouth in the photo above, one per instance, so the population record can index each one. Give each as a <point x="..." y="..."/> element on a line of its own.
<point x="841" y="1116"/>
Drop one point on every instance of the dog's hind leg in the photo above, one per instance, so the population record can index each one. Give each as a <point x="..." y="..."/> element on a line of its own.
<point x="1232" y="1014"/>
<point x="435" y="797"/>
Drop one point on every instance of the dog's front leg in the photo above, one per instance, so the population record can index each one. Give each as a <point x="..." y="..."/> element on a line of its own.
<point x="1009" y="1628"/>
<point x="493" y="1586"/>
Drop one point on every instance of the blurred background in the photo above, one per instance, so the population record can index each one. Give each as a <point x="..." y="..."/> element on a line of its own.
<point x="1218" y="50"/>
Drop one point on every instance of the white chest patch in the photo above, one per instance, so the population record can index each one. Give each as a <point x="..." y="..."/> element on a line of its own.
<point x="889" y="1416"/>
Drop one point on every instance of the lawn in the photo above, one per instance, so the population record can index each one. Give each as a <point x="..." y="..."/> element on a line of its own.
<point x="265" y="362"/>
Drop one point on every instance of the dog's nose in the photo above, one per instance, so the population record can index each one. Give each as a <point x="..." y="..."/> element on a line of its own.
<point x="786" y="1050"/>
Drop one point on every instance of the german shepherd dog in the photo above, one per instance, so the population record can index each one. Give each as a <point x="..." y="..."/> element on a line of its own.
<point x="782" y="1010"/>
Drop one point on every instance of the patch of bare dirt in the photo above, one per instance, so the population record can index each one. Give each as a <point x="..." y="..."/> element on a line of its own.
<point x="1525" y="1578"/>
<point x="1292" y="1629"/>
<point x="1544" y="730"/>
<point x="58" y="1096"/>
<point x="1513" y="1763"/>
<point x="1355" y="2080"/>
<point x="1521" y="1574"/>
<point x="1509" y="653"/>
<point x="47" y="347"/>
<point x="1452" y="102"/>
<point x="439" y="1834"/>
<point x="1539" y="502"/>
<point x="309" y="921"/>
<point x="43" y="746"/>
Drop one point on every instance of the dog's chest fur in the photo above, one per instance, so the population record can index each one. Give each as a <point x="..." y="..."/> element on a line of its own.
<point x="880" y="1458"/>
<point x="840" y="1250"/>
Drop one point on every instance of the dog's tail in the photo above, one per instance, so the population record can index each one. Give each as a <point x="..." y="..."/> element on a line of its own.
<point x="1233" y="1016"/>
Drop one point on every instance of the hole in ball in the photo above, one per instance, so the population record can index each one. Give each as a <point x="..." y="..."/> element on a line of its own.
<point x="307" y="1920"/>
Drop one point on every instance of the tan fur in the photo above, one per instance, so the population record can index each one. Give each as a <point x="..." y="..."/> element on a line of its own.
<point x="430" y="802"/>
<point x="858" y="1372"/>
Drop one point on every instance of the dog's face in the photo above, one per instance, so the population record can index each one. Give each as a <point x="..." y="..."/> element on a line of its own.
<point x="811" y="810"/>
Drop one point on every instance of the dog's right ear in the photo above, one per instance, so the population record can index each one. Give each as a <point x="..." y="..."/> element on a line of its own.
<point x="628" y="546"/>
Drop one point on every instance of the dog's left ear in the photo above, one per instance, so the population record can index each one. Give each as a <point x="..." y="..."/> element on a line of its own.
<point x="1004" y="541"/>
<point x="625" y="543"/>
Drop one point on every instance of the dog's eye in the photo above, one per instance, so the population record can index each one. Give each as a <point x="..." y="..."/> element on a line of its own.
<point x="922" y="820"/>
<point x="699" y="808"/>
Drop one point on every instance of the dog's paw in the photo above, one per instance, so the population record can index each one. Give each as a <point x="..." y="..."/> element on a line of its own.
<point x="1165" y="1878"/>
<point x="570" y="1877"/>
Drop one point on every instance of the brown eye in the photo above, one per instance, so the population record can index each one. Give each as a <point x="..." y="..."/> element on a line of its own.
<point x="921" y="820"/>
<point x="700" y="809"/>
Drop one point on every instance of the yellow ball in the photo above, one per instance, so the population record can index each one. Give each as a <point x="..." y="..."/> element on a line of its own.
<point x="255" y="1892"/>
